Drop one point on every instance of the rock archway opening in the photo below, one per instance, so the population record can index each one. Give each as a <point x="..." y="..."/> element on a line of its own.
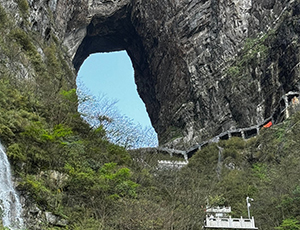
<point x="110" y="76"/>
<point x="116" y="33"/>
<point x="160" y="71"/>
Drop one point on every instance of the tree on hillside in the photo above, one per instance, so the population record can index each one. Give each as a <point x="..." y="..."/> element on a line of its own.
<point x="120" y="129"/>
<point x="289" y="224"/>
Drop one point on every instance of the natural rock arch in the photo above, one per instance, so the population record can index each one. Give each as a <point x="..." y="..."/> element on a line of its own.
<point x="115" y="33"/>
<point x="119" y="27"/>
<point x="182" y="52"/>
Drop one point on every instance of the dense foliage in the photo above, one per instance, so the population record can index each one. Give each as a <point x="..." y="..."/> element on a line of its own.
<point x="69" y="168"/>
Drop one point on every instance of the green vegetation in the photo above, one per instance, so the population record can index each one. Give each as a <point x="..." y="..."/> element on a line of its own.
<point x="171" y="133"/>
<point x="254" y="51"/>
<point x="23" y="7"/>
<point x="289" y="224"/>
<point x="3" y="16"/>
<point x="69" y="168"/>
<point x="264" y="168"/>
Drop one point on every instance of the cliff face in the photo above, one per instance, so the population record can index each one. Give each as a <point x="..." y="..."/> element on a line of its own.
<point x="201" y="67"/>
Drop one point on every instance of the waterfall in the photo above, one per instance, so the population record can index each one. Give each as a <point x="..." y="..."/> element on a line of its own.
<point x="9" y="200"/>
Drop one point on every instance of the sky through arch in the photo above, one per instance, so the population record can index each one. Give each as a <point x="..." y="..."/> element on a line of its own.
<point x="111" y="74"/>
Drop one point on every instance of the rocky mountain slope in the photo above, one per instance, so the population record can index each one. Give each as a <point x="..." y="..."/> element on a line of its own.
<point x="201" y="67"/>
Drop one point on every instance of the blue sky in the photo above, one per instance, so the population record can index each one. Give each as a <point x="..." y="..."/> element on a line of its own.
<point x="112" y="74"/>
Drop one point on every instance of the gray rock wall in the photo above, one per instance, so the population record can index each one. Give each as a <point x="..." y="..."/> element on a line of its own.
<point x="201" y="67"/>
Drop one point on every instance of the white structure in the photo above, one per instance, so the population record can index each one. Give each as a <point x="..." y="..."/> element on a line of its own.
<point x="218" y="211"/>
<point x="171" y="164"/>
<point x="230" y="223"/>
<point x="218" y="218"/>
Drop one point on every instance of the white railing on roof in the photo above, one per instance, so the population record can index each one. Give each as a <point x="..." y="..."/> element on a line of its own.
<point x="218" y="209"/>
<point x="230" y="223"/>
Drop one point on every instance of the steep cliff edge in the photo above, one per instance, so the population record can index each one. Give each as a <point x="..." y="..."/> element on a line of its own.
<point x="201" y="67"/>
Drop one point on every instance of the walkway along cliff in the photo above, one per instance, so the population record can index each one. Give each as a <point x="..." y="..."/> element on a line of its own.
<point x="287" y="105"/>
